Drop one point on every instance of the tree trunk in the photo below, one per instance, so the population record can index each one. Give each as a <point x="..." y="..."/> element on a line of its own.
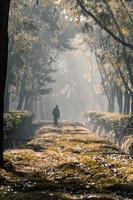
<point x="7" y="98"/>
<point x="22" y="90"/>
<point x="103" y="82"/>
<point x="26" y="102"/>
<point x="119" y="99"/>
<point x="21" y="98"/>
<point x="126" y="102"/>
<point x="35" y="109"/>
<point x="29" y="101"/>
<point x="29" y="104"/>
<point x="131" y="103"/>
<point x="112" y="98"/>
<point x="41" y="110"/>
<point x="4" y="13"/>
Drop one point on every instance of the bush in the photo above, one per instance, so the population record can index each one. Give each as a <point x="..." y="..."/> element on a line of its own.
<point x="18" y="128"/>
<point x="13" y="120"/>
<point x="114" y="126"/>
<point x="120" y="123"/>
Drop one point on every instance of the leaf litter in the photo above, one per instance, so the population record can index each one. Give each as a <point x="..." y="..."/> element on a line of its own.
<point x="66" y="162"/>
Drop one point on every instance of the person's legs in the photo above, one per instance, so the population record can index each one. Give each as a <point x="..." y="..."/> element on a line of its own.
<point x="55" y="121"/>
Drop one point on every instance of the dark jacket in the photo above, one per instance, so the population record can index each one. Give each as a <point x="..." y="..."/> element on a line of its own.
<point x="56" y="112"/>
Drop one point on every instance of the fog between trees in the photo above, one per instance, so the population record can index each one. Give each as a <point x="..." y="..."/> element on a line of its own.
<point x="54" y="60"/>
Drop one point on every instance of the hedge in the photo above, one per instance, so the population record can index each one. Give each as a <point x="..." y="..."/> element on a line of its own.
<point x="120" y="123"/>
<point x="117" y="127"/>
<point x="13" y="120"/>
<point x="17" y="127"/>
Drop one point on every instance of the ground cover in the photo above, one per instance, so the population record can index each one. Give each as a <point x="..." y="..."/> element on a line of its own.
<point x="66" y="162"/>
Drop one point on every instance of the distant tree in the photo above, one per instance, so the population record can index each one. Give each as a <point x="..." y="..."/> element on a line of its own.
<point x="115" y="21"/>
<point x="27" y="73"/>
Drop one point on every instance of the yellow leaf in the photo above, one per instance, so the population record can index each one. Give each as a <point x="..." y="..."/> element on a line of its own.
<point x="125" y="31"/>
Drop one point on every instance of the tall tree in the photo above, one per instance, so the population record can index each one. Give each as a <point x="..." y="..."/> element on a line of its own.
<point x="4" y="14"/>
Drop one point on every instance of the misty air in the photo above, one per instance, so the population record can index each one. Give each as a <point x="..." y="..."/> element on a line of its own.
<point x="66" y="100"/>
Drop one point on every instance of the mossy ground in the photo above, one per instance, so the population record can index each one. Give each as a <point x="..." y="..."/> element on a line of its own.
<point x="66" y="162"/>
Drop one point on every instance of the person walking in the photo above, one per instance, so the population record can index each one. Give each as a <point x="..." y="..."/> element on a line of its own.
<point x="56" y="114"/>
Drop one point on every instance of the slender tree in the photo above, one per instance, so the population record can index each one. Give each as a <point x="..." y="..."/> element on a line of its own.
<point x="4" y="14"/>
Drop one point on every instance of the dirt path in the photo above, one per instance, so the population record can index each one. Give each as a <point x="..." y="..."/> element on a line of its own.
<point x="66" y="162"/>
